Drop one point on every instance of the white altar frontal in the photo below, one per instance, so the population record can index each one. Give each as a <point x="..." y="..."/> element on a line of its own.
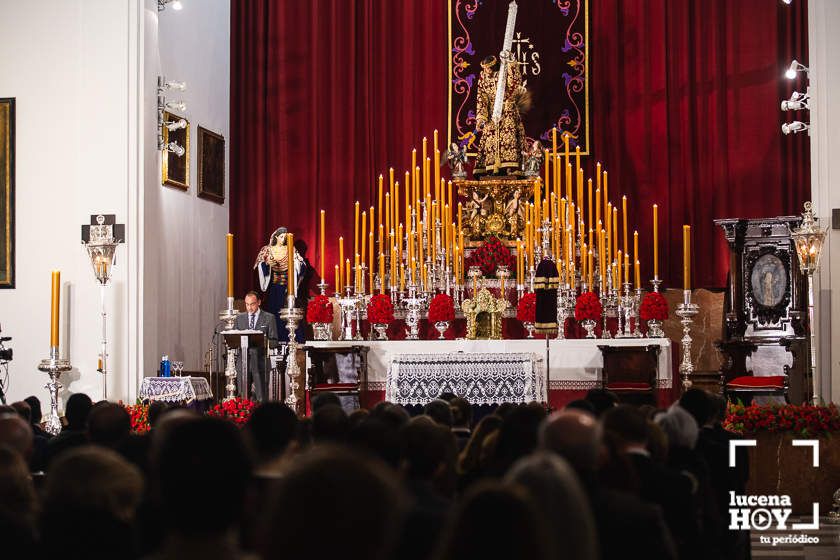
<point x="492" y="371"/>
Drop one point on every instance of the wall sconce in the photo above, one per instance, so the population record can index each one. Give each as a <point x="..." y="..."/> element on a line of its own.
<point x="797" y="102"/>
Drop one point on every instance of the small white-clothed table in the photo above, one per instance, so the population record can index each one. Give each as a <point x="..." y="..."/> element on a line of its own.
<point x="571" y="364"/>
<point x="175" y="389"/>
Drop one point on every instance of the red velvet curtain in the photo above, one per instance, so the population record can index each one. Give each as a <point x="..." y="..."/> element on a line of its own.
<point x="327" y="94"/>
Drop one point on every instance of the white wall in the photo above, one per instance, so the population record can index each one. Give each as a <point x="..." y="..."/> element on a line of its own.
<point x="824" y="77"/>
<point x="72" y="67"/>
<point x="185" y="235"/>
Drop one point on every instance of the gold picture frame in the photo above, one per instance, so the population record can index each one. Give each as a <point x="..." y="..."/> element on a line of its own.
<point x="211" y="165"/>
<point x="175" y="170"/>
<point x="484" y="316"/>
<point x="7" y="192"/>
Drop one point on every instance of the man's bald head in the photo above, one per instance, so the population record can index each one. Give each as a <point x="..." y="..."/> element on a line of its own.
<point x="575" y="435"/>
<point x="17" y="434"/>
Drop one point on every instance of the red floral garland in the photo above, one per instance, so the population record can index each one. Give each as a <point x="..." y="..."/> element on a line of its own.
<point x="653" y="306"/>
<point x="588" y="306"/>
<point x="526" y="309"/>
<point x="319" y="310"/>
<point x="806" y="420"/>
<point x="441" y="309"/>
<point x="380" y="309"/>
<point x="237" y="410"/>
<point x="489" y="256"/>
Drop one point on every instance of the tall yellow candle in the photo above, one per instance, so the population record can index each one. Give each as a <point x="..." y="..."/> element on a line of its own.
<point x="55" y="297"/>
<point x="579" y="199"/>
<point x="337" y="280"/>
<point x="602" y="255"/>
<point x="414" y="174"/>
<point x="421" y="252"/>
<point x="322" y="247"/>
<point x="436" y="164"/>
<point x="577" y="159"/>
<point x="547" y="171"/>
<point x="379" y="208"/>
<point x="537" y="220"/>
<point x="387" y="213"/>
<point x="460" y="211"/>
<point x="569" y="186"/>
<point x="381" y="272"/>
<point x="615" y="228"/>
<point x="341" y="260"/>
<point x="618" y="265"/>
<point x="391" y="191"/>
<point x="589" y="270"/>
<point x="655" y="243"/>
<point x="626" y="268"/>
<point x="606" y="189"/>
<point x="589" y="209"/>
<point x="372" y="266"/>
<point x="686" y="257"/>
<point x="397" y="203"/>
<point x="229" y="238"/>
<point x="347" y="273"/>
<point x="597" y="207"/>
<point x="356" y="232"/>
<point x="624" y="220"/>
<point x="638" y="275"/>
<point x="608" y="218"/>
<point x="554" y="142"/>
<point x="364" y="235"/>
<point x="290" y="259"/>
<point x="530" y="242"/>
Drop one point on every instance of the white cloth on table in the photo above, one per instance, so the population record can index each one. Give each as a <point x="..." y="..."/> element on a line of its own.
<point x="175" y="389"/>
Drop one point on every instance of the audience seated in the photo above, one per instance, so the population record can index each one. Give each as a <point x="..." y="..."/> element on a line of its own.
<point x="378" y="484"/>
<point x="334" y="503"/>
<point x="496" y="521"/>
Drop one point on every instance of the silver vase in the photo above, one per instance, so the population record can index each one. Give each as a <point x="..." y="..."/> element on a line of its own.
<point x="529" y="326"/>
<point x="655" y="329"/>
<point x="589" y="325"/>
<point x="322" y="331"/>
<point x="381" y="331"/>
<point x="441" y="327"/>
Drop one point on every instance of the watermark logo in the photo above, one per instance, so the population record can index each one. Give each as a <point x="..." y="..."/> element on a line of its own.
<point x="771" y="512"/>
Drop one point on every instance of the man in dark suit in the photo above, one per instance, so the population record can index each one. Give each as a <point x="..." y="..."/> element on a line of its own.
<point x="256" y="319"/>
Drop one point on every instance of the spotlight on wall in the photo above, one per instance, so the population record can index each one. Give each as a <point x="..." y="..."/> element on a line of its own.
<point x="175" y="125"/>
<point x="176" y="4"/>
<point x="788" y="2"/>
<point x="795" y="66"/>
<point x="176" y="149"/>
<point x="794" y="127"/>
<point x="797" y="102"/>
<point x="176" y="106"/>
<point x="180" y="86"/>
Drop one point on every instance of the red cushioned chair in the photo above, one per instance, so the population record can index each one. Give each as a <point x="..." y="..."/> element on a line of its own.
<point x="630" y="372"/>
<point x="740" y="382"/>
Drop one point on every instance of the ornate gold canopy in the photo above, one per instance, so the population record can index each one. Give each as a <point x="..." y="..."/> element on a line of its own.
<point x="484" y="316"/>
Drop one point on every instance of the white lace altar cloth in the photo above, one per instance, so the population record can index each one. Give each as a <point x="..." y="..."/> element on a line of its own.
<point x="480" y="378"/>
<point x="573" y="364"/>
<point x="175" y="389"/>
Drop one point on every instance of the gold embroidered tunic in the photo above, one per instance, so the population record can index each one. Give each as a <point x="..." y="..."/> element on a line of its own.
<point x="501" y="144"/>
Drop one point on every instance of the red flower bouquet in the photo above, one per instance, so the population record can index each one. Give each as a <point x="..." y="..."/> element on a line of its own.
<point x="441" y="309"/>
<point x="588" y="306"/>
<point x="380" y="309"/>
<point x="489" y="256"/>
<point x="805" y="420"/>
<point x="319" y="310"/>
<point x="236" y="410"/>
<point x="526" y="310"/>
<point x="654" y="307"/>
<point x="139" y="417"/>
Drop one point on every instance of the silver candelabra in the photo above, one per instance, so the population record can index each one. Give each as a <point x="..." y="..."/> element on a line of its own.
<point x="292" y="315"/>
<point x="686" y="312"/>
<point x="54" y="366"/>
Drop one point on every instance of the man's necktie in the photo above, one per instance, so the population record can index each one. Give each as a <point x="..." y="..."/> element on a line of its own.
<point x="251" y="322"/>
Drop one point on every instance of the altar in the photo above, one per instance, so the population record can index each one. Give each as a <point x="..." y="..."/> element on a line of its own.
<point x="563" y="369"/>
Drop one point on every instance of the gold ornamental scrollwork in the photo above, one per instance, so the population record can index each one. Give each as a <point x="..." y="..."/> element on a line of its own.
<point x="494" y="207"/>
<point x="484" y="316"/>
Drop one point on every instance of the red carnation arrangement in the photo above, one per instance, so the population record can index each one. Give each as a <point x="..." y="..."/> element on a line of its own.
<point x="237" y="410"/>
<point x="139" y="414"/>
<point x="526" y="310"/>
<point x="805" y="420"/>
<point x="380" y="309"/>
<point x="489" y="256"/>
<point x="588" y="306"/>
<point x="654" y="307"/>
<point x="319" y="310"/>
<point x="441" y="309"/>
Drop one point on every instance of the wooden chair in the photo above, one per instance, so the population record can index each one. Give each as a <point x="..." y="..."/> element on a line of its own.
<point x="339" y="370"/>
<point x="630" y="372"/>
<point x="756" y="368"/>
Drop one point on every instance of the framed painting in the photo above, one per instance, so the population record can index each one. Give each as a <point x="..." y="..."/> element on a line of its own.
<point x="175" y="169"/>
<point x="7" y="192"/>
<point x="211" y="165"/>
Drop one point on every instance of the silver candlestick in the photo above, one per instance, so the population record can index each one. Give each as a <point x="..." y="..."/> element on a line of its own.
<point x="656" y="282"/>
<point x="637" y="331"/>
<point x="686" y="312"/>
<point x="292" y="315"/>
<point x="54" y="366"/>
<point x="625" y="312"/>
<point x="561" y="312"/>
<point x="347" y="305"/>
<point x="322" y="286"/>
<point x="228" y="317"/>
<point x="413" y="305"/>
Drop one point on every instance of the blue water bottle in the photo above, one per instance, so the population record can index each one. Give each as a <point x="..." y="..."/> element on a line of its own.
<point x="165" y="366"/>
